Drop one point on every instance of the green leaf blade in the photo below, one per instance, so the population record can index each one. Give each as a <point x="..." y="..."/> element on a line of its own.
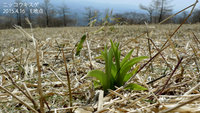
<point x="126" y="58"/>
<point x="117" y="54"/>
<point x="129" y="75"/>
<point x="101" y="76"/>
<point x="80" y="44"/>
<point x="135" y="87"/>
<point x="127" y="66"/>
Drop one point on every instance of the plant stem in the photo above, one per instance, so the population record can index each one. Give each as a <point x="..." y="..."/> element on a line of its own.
<point x="39" y="81"/>
<point x="179" y="62"/>
<point x="68" y="80"/>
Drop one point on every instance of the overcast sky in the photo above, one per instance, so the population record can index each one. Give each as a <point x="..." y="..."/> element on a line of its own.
<point x="177" y="4"/>
<point x="116" y="5"/>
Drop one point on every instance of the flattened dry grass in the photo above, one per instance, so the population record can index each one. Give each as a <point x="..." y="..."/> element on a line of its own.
<point x="19" y="59"/>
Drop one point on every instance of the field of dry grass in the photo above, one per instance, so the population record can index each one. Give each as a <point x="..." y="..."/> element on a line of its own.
<point x="176" y="68"/>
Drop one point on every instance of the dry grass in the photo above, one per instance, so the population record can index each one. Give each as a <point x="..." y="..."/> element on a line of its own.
<point x="18" y="57"/>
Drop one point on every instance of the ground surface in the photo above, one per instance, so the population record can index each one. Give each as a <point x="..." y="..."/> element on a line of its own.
<point x="19" y="59"/>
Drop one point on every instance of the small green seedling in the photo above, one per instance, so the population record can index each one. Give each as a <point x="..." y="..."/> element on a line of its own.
<point x="80" y="44"/>
<point x="117" y="73"/>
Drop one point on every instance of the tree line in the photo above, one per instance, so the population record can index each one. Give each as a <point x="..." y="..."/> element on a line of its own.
<point x="50" y="16"/>
<point x="156" y="12"/>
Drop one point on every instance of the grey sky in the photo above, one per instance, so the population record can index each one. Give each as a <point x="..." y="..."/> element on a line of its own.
<point x="116" y="5"/>
<point x="121" y="5"/>
<point x="177" y="4"/>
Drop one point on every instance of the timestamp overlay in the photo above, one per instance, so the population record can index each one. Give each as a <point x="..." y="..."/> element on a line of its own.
<point x="21" y="8"/>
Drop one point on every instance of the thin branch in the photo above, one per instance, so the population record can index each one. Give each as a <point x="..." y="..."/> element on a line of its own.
<point x="165" y="85"/>
<point x="145" y="65"/>
<point x="195" y="37"/>
<point x="178" y="12"/>
<point x="156" y="79"/>
<point x="21" y="101"/>
<point x="180" y="105"/>
<point x="57" y="77"/>
<point x="20" y="89"/>
<point x="149" y="45"/>
<point x="181" y="23"/>
<point x="160" y="53"/>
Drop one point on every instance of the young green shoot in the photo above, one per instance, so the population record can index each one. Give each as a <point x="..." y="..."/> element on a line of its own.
<point x="117" y="72"/>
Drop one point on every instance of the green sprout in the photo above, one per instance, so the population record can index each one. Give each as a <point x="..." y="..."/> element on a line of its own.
<point x="117" y="73"/>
